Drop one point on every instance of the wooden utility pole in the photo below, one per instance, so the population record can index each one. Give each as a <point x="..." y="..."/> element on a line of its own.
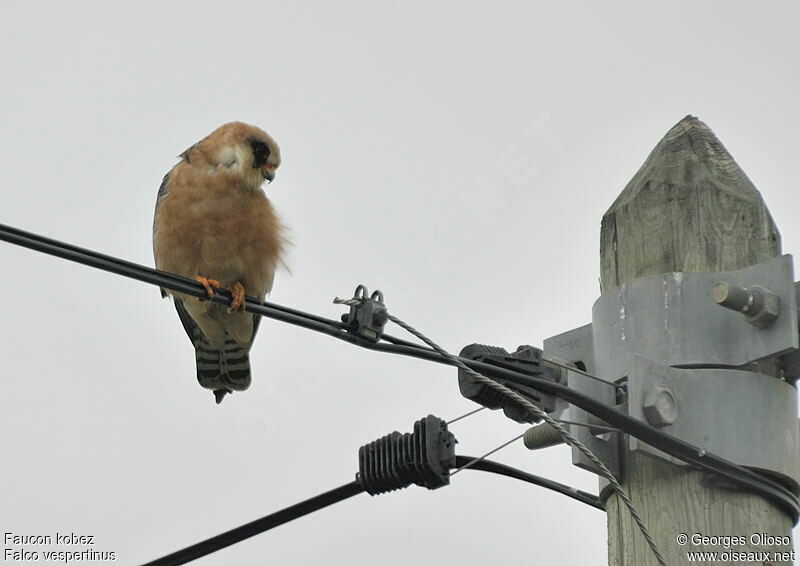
<point x="689" y="208"/>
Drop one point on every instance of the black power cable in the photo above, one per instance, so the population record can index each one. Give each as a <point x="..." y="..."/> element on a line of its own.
<point x="503" y="470"/>
<point x="761" y="485"/>
<point x="233" y="536"/>
<point x="180" y="284"/>
<point x="258" y="526"/>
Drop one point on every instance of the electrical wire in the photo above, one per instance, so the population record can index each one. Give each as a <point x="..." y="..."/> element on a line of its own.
<point x="573" y="368"/>
<point x="258" y="526"/>
<point x="761" y="485"/>
<point x="489" y="453"/>
<point x="183" y="285"/>
<point x="503" y="470"/>
<point x="191" y="287"/>
<point x="253" y="528"/>
<point x="565" y="434"/>
<point x="465" y="415"/>
<point x="589" y="425"/>
<point x="680" y="449"/>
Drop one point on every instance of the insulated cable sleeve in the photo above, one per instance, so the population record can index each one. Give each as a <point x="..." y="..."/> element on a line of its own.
<point x="258" y="526"/>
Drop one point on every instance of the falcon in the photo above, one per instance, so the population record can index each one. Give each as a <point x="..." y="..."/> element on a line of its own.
<point x="214" y="223"/>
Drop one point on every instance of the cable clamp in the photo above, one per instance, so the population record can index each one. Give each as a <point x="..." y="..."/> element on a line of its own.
<point x="368" y="315"/>
<point x="527" y="360"/>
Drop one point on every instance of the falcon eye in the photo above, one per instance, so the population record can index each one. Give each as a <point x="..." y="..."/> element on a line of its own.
<point x="260" y="153"/>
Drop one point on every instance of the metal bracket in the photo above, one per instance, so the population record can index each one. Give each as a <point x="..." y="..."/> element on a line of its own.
<point x="576" y="347"/>
<point x="694" y="320"/>
<point x="674" y="321"/>
<point x="719" y="410"/>
<point x="790" y="363"/>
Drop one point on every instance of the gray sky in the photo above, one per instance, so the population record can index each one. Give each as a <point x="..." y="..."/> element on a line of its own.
<point x="458" y="156"/>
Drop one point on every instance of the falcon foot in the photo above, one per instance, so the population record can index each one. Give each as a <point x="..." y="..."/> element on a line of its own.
<point x="237" y="298"/>
<point x="208" y="284"/>
<point x="219" y="394"/>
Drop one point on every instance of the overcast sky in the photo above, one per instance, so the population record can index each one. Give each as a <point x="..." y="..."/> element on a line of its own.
<point x="456" y="155"/>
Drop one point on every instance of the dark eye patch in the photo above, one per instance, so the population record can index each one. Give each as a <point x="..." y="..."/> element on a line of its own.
<point x="260" y="153"/>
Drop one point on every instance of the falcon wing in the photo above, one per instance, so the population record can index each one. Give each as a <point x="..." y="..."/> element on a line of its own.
<point x="162" y="192"/>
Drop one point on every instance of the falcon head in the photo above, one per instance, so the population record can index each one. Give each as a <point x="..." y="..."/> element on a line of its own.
<point x="239" y="149"/>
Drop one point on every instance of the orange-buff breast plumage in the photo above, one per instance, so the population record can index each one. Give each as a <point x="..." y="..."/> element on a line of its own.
<point x="212" y="227"/>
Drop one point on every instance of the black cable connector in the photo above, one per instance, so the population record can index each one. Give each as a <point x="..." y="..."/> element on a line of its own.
<point x="526" y="360"/>
<point x="395" y="461"/>
<point x="368" y="315"/>
<point x="423" y="457"/>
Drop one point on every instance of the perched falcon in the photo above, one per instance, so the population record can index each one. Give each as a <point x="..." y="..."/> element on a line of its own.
<point x="213" y="223"/>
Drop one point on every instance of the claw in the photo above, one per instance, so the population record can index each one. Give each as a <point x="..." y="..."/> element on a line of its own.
<point x="237" y="298"/>
<point x="208" y="284"/>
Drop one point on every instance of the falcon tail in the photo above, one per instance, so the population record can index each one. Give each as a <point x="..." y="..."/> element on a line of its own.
<point x="223" y="370"/>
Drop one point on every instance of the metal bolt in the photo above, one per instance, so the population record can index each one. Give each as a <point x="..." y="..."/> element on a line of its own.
<point x="731" y="296"/>
<point x="758" y="304"/>
<point x="559" y="371"/>
<point x="660" y="407"/>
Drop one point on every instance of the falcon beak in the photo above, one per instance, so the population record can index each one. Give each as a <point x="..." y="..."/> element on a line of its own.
<point x="269" y="174"/>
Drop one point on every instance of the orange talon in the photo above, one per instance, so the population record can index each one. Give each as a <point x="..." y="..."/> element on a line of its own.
<point x="237" y="298"/>
<point x="208" y="284"/>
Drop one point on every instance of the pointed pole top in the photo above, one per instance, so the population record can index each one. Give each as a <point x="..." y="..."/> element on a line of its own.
<point x="690" y="154"/>
<point x="690" y="207"/>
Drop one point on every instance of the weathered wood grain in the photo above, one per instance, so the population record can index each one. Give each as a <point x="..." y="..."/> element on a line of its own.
<point x="689" y="208"/>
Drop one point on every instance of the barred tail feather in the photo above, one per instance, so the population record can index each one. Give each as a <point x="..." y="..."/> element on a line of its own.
<point x="226" y="368"/>
<point x="223" y="370"/>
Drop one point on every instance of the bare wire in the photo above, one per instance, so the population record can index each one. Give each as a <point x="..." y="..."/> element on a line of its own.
<point x="584" y="373"/>
<point x="465" y="415"/>
<point x="590" y="425"/>
<point x="489" y="453"/>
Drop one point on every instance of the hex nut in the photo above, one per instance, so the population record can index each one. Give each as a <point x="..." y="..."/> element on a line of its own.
<point x="660" y="407"/>
<point x="767" y="303"/>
